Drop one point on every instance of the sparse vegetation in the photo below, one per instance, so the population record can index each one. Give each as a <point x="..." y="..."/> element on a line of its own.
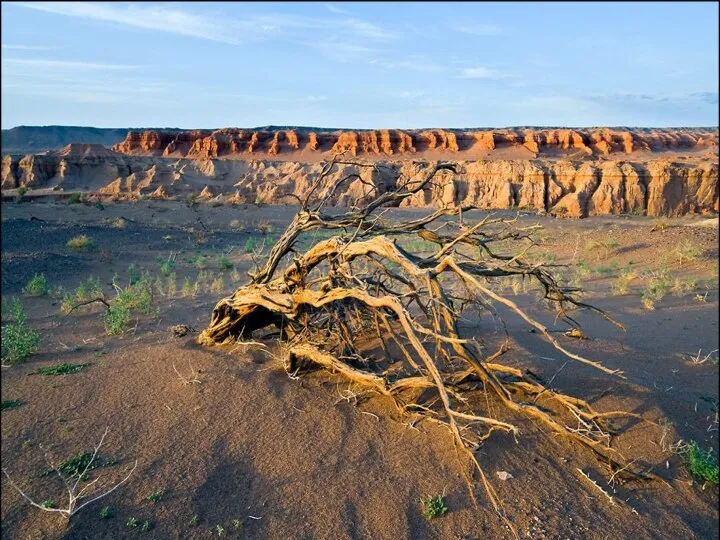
<point x="37" y="286"/>
<point x="701" y="463"/>
<point x="434" y="507"/>
<point x="686" y="251"/>
<point x="656" y="288"/>
<point x="74" y="198"/>
<point x="11" y="404"/>
<point x="622" y="283"/>
<point x="684" y="286"/>
<point x="156" y="495"/>
<point x="80" y="242"/>
<point x="250" y="244"/>
<point x="19" y="340"/>
<point x="132" y="522"/>
<point x="105" y="513"/>
<point x="237" y="225"/>
<point x="61" y="369"/>
<point x="167" y="265"/>
<point x="225" y="262"/>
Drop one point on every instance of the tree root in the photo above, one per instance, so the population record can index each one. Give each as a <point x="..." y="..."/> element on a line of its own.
<point x="386" y="319"/>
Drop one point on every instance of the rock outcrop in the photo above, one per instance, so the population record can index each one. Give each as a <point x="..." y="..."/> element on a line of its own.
<point x="595" y="143"/>
<point x="572" y="188"/>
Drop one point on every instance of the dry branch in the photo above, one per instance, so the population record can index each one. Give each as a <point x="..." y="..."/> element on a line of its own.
<point x="386" y="318"/>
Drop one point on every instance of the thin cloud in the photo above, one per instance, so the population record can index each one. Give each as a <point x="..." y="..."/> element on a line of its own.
<point x="413" y="63"/>
<point x="66" y="64"/>
<point x="334" y="9"/>
<point x="481" y="72"/>
<point x="477" y="29"/>
<point x="27" y="47"/>
<point x="219" y="27"/>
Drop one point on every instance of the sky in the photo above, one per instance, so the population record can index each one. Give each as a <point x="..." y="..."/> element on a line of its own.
<point x="360" y="65"/>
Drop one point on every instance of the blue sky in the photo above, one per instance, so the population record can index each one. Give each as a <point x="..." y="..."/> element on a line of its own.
<point x="359" y="65"/>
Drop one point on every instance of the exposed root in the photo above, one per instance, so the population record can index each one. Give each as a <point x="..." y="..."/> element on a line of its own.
<point x="386" y="319"/>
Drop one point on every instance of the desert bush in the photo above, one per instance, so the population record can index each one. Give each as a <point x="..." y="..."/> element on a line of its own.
<point x="686" y="251"/>
<point x="37" y="286"/>
<point x="684" y="286"/>
<point x="622" y="283"/>
<point x="166" y="265"/>
<point x="265" y="227"/>
<point x="118" y="223"/>
<point x="171" y="285"/>
<point x="250" y="245"/>
<point x="218" y="285"/>
<point x="660" y="224"/>
<point x="701" y="463"/>
<point x="434" y="507"/>
<point x="601" y="248"/>
<point x="237" y="225"/>
<point x="18" y="338"/>
<point x="656" y="288"/>
<point x="74" y="199"/>
<point x="80" y="242"/>
<point x="225" y="262"/>
<point x="188" y="289"/>
<point x="117" y="319"/>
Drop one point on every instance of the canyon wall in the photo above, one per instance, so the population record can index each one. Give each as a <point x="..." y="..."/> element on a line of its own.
<point x="301" y="145"/>
<point x="563" y="187"/>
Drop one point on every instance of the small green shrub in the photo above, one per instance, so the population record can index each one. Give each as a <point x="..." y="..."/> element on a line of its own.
<point x="80" y="242"/>
<point x="171" y="285"/>
<point x="226" y="263"/>
<point x="105" y="513"/>
<point x="188" y="289"/>
<point x="656" y="288"/>
<point x="265" y="227"/>
<point x="19" y="340"/>
<point x="250" y="244"/>
<point x="434" y="507"/>
<point x="217" y="286"/>
<point x="237" y="225"/>
<point x="686" y="251"/>
<point x="684" y="286"/>
<point x="74" y="199"/>
<point x="622" y="284"/>
<point x="167" y="266"/>
<point x="701" y="463"/>
<point x="156" y="495"/>
<point x="132" y="522"/>
<point x="133" y="274"/>
<point x="147" y="525"/>
<point x="11" y="404"/>
<point x="37" y="286"/>
<point x="116" y="319"/>
<point x="12" y="310"/>
<point x="61" y="369"/>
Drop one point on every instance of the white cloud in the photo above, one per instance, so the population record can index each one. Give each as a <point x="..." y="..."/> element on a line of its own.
<point x="316" y="98"/>
<point x="413" y="63"/>
<point x="481" y="72"/>
<point x="333" y="8"/>
<point x="204" y="25"/>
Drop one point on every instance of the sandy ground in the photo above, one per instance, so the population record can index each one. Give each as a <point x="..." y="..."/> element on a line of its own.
<point x="257" y="455"/>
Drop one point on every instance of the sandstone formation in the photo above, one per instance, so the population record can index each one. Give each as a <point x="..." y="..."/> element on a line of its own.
<point x="577" y="188"/>
<point x="593" y="143"/>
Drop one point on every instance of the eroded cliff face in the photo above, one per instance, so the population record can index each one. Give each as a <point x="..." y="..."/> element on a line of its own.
<point x="658" y="187"/>
<point x="576" y="143"/>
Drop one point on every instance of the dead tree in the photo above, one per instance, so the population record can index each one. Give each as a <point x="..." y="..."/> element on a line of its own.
<point x="386" y="318"/>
